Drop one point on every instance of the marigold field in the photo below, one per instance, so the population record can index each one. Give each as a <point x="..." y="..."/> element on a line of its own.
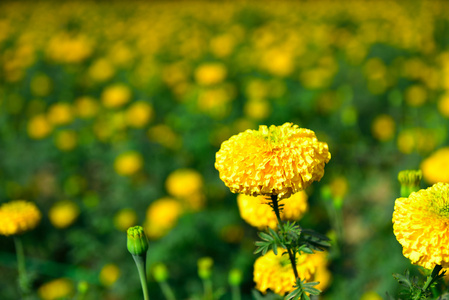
<point x="112" y="114"/>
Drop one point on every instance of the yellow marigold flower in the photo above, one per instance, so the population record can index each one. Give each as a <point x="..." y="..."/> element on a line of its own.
<point x="257" y="109"/>
<point x="63" y="213"/>
<point x="275" y="272"/>
<point x="256" y="211"/>
<point x="60" y="114"/>
<point x="67" y="48"/>
<point x="165" y="136"/>
<point x="435" y="168"/>
<point x="101" y="70"/>
<point x="66" y="140"/>
<point x="125" y="218"/>
<point x="416" y="95"/>
<point x="210" y="73"/>
<point x="371" y="295"/>
<point x="139" y="114"/>
<point x="109" y="274"/>
<point x="41" y="85"/>
<point x="383" y="128"/>
<point x="86" y="107"/>
<point x="443" y="105"/>
<point x="184" y="182"/>
<point x="56" y="289"/>
<point x="275" y="160"/>
<point x="128" y="163"/>
<point x="39" y="127"/>
<point x="162" y="216"/>
<point x="115" y="96"/>
<point x="18" y="216"/>
<point x="420" y="226"/>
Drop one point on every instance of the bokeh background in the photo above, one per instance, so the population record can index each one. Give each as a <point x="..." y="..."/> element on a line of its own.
<point x="111" y="115"/>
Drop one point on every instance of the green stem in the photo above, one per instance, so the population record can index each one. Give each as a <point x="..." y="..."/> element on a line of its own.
<point x="24" y="284"/>
<point x="430" y="279"/>
<point x="236" y="292"/>
<point x="208" y="291"/>
<point x="291" y="254"/>
<point x="167" y="291"/>
<point x="140" y="263"/>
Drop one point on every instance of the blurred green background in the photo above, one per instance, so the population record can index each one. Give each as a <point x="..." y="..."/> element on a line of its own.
<point x="111" y="115"/>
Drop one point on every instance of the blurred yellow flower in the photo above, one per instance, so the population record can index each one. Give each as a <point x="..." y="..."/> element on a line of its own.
<point x="222" y="45"/>
<point x="210" y="73"/>
<point x="63" y="213"/>
<point x="56" y="289"/>
<point x="184" y="182"/>
<point x="139" y="114"/>
<point x="339" y="187"/>
<point x="18" y="216"/>
<point x="257" y="109"/>
<point x="215" y="101"/>
<point x="420" y="226"/>
<point x="256" y="211"/>
<point x="371" y="295"/>
<point x="383" y="127"/>
<point x="41" y="85"/>
<point x="275" y="272"/>
<point x="278" y="62"/>
<point x="109" y="274"/>
<point x="101" y="70"/>
<point x="115" y="96"/>
<point x="275" y="160"/>
<point x="39" y="127"/>
<point x="415" y="95"/>
<point x="125" y="218"/>
<point x="67" y="48"/>
<point x="162" y="216"/>
<point x="421" y="140"/>
<point x="60" y="113"/>
<point x="86" y="107"/>
<point x="128" y="163"/>
<point x="435" y="168"/>
<point x="66" y="140"/>
<point x="443" y="105"/>
<point x="164" y="135"/>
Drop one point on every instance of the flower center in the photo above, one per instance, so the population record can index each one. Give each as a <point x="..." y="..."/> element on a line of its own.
<point x="439" y="203"/>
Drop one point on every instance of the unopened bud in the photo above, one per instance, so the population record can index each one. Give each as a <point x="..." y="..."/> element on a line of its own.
<point x="409" y="180"/>
<point x="137" y="241"/>
<point x="160" y="272"/>
<point x="205" y="267"/>
<point x="235" y="277"/>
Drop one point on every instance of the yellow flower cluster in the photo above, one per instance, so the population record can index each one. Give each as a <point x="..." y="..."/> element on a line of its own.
<point x="420" y="224"/>
<point x="275" y="160"/>
<point x="275" y="272"/>
<point x="18" y="216"/>
<point x="256" y="211"/>
<point x="435" y="168"/>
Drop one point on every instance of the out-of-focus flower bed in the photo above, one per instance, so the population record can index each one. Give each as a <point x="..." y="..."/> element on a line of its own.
<point x="111" y="115"/>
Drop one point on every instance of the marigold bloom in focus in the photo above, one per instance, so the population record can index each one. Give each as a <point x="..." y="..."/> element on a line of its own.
<point x="275" y="160"/>
<point x="420" y="224"/>
<point x="18" y="216"/>
<point x="162" y="216"/>
<point x="63" y="213"/>
<point x="435" y="168"/>
<point x="128" y="163"/>
<point x="275" y="272"/>
<point x="256" y="211"/>
<point x="56" y="289"/>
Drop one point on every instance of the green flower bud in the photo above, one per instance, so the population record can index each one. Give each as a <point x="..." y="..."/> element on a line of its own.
<point x="235" y="277"/>
<point x="409" y="180"/>
<point x="204" y="267"/>
<point x="82" y="287"/>
<point x="137" y="241"/>
<point x="160" y="272"/>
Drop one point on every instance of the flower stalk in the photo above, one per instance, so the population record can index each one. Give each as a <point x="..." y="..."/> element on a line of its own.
<point x="24" y="282"/>
<point x="290" y="251"/>
<point x="137" y="244"/>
